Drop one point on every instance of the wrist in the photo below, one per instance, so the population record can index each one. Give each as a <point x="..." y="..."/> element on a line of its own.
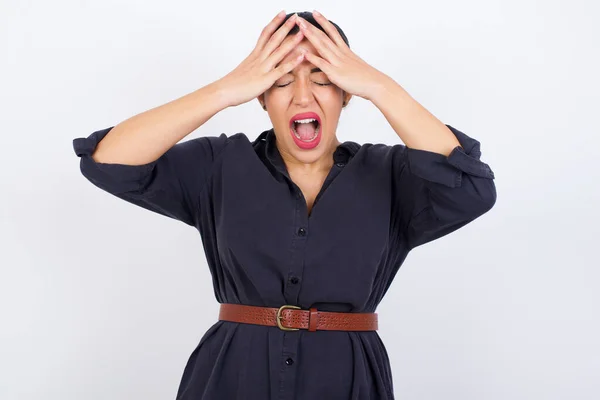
<point x="220" y="94"/>
<point x="384" y="88"/>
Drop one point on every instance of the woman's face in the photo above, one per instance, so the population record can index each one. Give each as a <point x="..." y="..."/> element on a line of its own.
<point x="305" y="89"/>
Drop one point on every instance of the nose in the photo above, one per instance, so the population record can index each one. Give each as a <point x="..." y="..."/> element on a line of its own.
<point x="303" y="95"/>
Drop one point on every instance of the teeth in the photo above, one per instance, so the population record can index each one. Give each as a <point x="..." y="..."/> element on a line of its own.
<point x="305" y="121"/>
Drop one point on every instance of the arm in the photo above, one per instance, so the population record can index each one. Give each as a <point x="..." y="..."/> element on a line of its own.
<point x="145" y="137"/>
<point x="415" y="125"/>
<point x="440" y="182"/>
<point x="140" y="162"/>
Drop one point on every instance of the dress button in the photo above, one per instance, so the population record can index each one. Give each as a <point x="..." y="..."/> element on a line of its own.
<point x="301" y="232"/>
<point x="289" y="361"/>
<point x="294" y="280"/>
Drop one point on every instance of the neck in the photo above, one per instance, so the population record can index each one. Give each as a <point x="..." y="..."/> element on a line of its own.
<point x="321" y="166"/>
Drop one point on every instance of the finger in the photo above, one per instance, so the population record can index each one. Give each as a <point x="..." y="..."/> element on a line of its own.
<point x="286" y="67"/>
<point x="318" y="62"/>
<point x="319" y="39"/>
<point x="278" y="37"/>
<point x="268" y="31"/>
<point x="331" y="30"/>
<point x="283" y="50"/>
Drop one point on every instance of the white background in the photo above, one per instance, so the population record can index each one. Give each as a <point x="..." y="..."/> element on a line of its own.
<point x="100" y="299"/>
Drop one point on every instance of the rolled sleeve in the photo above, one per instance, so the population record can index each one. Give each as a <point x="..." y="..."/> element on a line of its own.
<point x="115" y="178"/>
<point x="448" y="170"/>
<point x="169" y="185"/>
<point x="437" y="194"/>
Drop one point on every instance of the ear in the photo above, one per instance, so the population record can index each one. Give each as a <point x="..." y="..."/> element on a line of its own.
<point x="261" y="100"/>
<point x="347" y="96"/>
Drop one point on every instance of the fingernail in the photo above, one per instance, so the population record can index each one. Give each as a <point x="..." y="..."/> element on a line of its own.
<point x="281" y="13"/>
<point x="315" y="12"/>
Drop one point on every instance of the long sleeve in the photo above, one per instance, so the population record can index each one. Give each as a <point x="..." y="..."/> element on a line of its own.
<point x="437" y="195"/>
<point x="170" y="185"/>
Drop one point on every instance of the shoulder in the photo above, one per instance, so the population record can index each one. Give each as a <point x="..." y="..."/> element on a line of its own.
<point x="214" y="144"/>
<point x="380" y="153"/>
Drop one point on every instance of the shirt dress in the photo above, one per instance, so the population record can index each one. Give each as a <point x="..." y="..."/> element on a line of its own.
<point x="263" y="248"/>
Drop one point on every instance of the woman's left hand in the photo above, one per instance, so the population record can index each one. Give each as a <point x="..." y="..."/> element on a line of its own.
<point x="341" y="65"/>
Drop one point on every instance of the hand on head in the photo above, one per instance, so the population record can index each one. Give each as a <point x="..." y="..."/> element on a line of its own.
<point x="260" y="69"/>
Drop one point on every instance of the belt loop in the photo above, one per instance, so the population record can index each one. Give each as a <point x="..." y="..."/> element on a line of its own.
<point x="312" y="319"/>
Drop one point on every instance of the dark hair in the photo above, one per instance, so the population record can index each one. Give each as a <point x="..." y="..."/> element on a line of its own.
<point x="309" y="17"/>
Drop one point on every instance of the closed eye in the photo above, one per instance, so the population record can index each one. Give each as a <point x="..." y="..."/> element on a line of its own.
<point x="316" y="83"/>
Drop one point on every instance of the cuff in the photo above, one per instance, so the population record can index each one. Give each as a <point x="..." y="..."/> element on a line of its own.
<point x="120" y="177"/>
<point x="438" y="168"/>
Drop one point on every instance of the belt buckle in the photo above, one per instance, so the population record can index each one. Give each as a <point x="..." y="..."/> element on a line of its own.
<point x="280" y="317"/>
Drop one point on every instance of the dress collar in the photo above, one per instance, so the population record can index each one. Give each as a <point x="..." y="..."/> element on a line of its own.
<point x="266" y="142"/>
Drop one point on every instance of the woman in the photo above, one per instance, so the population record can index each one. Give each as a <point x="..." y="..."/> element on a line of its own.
<point x="303" y="234"/>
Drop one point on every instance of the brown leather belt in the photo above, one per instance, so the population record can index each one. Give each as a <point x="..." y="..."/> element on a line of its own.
<point x="292" y="318"/>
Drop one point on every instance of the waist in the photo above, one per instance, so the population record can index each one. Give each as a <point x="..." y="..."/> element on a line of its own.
<point x="293" y="318"/>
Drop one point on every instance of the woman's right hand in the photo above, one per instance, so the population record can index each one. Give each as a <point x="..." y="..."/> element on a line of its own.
<point x="257" y="72"/>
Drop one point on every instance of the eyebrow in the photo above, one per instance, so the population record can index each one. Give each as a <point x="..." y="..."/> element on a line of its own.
<point x="311" y="71"/>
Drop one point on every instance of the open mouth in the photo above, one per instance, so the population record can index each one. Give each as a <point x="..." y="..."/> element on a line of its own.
<point x="306" y="129"/>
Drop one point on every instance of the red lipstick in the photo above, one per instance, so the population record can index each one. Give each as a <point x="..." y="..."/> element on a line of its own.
<point x="300" y="143"/>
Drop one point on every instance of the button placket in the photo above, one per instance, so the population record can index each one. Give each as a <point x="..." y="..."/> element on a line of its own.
<point x="297" y="250"/>
<point x="291" y="293"/>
